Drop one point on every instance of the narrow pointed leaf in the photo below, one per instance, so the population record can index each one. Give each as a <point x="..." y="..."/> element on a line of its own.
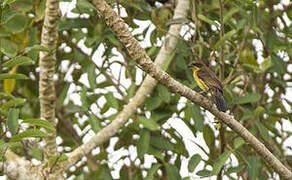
<point x="94" y="123"/>
<point x="12" y="76"/>
<point x="39" y="122"/>
<point x="143" y="143"/>
<point x="21" y="60"/>
<point x="219" y="163"/>
<point x="172" y="172"/>
<point x="12" y="120"/>
<point x="207" y="20"/>
<point x="27" y="134"/>
<point x="152" y="171"/>
<point x="249" y="98"/>
<point x="194" y="161"/>
<point x="226" y="37"/>
<point x="111" y="100"/>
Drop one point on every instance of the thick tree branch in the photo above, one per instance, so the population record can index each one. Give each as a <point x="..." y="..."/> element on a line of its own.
<point x="47" y="70"/>
<point x="18" y="168"/>
<point x="146" y="88"/>
<point x="139" y="55"/>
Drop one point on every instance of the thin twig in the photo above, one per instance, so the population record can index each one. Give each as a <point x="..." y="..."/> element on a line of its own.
<point x="102" y="70"/>
<point x="221" y="60"/>
<point x="230" y="76"/>
<point x="221" y="77"/>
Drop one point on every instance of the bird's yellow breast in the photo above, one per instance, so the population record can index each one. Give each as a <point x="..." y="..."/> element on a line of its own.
<point x="200" y="83"/>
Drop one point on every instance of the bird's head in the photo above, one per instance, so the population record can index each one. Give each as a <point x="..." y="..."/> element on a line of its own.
<point x="195" y="66"/>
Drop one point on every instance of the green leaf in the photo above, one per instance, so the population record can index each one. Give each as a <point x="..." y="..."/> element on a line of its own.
<point x="124" y="173"/>
<point x="94" y="123"/>
<point x="8" y="47"/>
<point x="36" y="153"/>
<point x="111" y="100"/>
<point x="152" y="171"/>
<point x="253" y="67"/>
<point x="40" y="10"/>
<point x="12" y="76"/>
<point x="84" y="99"/>
<point x="234" y="169"/>
<point x="247" y="115"/>
<point x="156" y="116"/>
<point x="113" y="40"/>
<point x="259" y="111"/>
<point x="63" y="94"/>
<point x="23" y="5"/>
<point x="253" y="170"/>
<point x="226" y="37"/>
<point x="148" y="123"/>
<point x="28" y="134"/>
<point x="6" y="2"/>
<point x="197" y="117"/>
<point x="3" y="146"/>
<point x="84" y="6"/>
<point x="153" y="103"/>
<point x="4" y="34"/>
<point x="143" y="143"/>
<point x="36" y="47"/>
<point x="58" y="158"/>
<point x="104" y="108"/>
<point x="131" y="91"/>
<point x="156" y="153"/>
<point x="12" y="120"/>
<point x="204" y="173"/>
<point x="220" y="162"/>
<point x="207" y="20"/>
<point x="106" y="173"/>
<point x="91" y="76"/>
<point x="103" y="84"/>
<point x="168" y="60"/>
<point x="249" y="98"/>
<point x="208" y="135"/>
<point x="20" y="60"/>
<point x="163" y="93"/>
<point x="230" y="14"/>
<point x="266" y="64"/>
<point x="13" y="103"/>
<point x="161" y="143"/>
<point x="151" y="50"/>
<point x="12" y="145"/>
<point x="16" y="22"/>
<point x="193" y="162"/>
<point x="39" y="122"/>
<point x="263" y="130"/>
<point x="172" y="172"/>
<point x="238" y="142"/>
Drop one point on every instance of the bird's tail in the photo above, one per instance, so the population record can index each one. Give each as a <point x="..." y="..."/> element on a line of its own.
<point x="219" y="99"/>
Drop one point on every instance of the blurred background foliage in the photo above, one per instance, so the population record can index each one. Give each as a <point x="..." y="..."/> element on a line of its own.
<point x="95" y="78"/>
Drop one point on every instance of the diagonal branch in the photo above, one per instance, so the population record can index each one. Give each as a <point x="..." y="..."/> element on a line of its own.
<point x="146" y="88"/>
<point x="139" y="55"/>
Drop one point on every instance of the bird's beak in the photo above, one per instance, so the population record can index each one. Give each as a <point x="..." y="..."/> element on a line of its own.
<point x="190" y="65"/>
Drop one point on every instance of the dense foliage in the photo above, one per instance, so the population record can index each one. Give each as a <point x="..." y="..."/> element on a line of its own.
<point x="95" y="78"/>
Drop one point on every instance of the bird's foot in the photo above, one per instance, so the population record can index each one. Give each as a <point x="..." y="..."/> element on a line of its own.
<point x="217" y="124"/>
<point x="202" y="92"/>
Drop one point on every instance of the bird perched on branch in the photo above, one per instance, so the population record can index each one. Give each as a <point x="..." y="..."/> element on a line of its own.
<point x="208" y="81"/>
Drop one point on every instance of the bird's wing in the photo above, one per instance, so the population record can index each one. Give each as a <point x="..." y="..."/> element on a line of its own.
<point x="209" y="78"/>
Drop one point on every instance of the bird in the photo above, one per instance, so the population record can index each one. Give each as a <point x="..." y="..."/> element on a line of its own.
<point x="207" y="81"/>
